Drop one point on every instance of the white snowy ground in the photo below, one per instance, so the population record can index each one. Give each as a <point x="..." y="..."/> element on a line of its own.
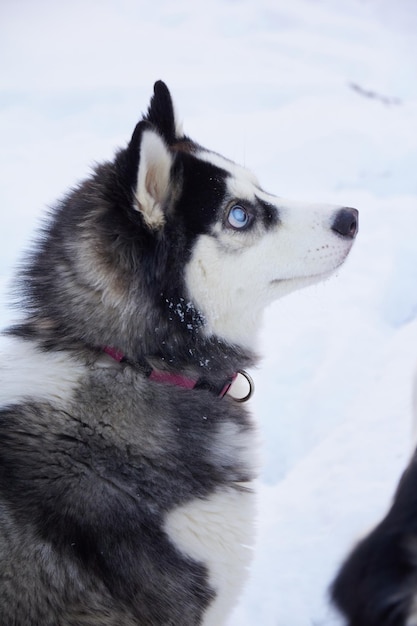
<point x="319" y="97"/>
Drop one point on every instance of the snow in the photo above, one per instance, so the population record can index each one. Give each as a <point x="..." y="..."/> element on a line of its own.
<point x="319" y="98"/>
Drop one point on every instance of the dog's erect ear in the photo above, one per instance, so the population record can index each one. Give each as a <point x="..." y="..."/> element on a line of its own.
<point x="149" y="159"/>
<point x="153" y="175"/>
<point x="161" y="114"/>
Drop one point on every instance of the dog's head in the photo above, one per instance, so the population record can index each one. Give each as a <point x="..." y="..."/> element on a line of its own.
<point x="171" y="244"/>
<point x="241" y="246"/>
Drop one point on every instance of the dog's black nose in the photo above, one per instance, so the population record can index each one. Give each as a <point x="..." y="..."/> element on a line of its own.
<point x="346" y="223"/>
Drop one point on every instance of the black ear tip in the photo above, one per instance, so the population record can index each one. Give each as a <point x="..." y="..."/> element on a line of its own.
<point x="160" y="88"/>
<point x="161" y="112"/>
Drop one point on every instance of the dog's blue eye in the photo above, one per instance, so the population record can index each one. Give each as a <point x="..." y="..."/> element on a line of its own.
<point x="238" y="217"/>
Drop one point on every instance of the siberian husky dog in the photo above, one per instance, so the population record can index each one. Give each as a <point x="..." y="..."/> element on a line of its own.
<point x="126" y="465"/>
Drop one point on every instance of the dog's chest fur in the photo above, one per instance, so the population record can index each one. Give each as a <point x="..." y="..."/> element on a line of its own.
<point x="144" y="482"/>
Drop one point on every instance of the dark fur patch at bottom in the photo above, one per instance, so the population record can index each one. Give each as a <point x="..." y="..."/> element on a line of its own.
<point x="377" y="584"/>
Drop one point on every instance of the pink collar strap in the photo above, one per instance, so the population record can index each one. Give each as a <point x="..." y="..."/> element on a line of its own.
<point x="178" y="380"/>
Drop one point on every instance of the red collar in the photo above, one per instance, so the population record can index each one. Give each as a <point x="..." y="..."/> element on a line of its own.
<point x="184" y="381"/>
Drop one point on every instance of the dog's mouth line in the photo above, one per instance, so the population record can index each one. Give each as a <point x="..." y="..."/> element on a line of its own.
<point x="314" y="275"/>
<point x="319" y="275"/>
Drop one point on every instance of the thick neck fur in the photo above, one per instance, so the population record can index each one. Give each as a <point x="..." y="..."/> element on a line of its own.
<point x="98" y="278"/>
